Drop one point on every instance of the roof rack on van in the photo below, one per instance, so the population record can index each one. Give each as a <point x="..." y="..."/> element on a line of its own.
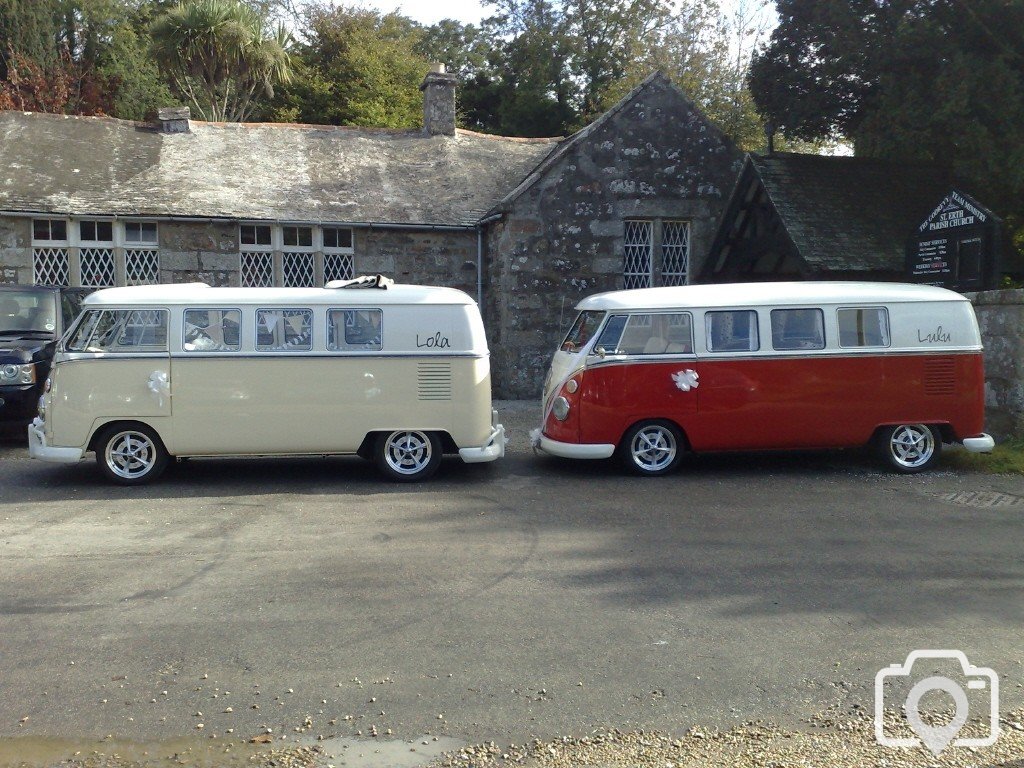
<point x="363" y="281"/>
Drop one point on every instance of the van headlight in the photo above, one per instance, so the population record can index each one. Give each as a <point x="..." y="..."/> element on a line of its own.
<point x="560" y="408"/>
<point x="18" y="374"/>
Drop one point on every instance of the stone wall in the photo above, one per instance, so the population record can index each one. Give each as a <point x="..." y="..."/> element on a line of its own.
<point x="1001" y="318"/>
<point x="562" y="239"/>
<point x="15" y="250"/>
<point x="208" y="252"/>
<point x="199" y="252"/>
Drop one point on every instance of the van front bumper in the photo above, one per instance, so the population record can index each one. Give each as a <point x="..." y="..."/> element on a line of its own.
<point x="570" y="450"/>
<point x="493" y="449"/>
<point x="980" y="444"/>
<point x="38" y="449"/>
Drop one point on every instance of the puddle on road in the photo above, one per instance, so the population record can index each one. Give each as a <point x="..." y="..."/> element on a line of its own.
<point x="39" y="752"/>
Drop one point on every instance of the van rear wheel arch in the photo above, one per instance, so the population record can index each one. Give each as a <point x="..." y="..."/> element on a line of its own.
<point x="365" y="449"/>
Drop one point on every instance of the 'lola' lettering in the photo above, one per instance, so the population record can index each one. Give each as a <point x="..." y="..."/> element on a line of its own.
<point x="938" y="336"/>
<point x="437" y="341"/>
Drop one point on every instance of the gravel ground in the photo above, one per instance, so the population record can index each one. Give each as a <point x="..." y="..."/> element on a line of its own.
<point x="835" y="741"/>
<point x="828" y="741"/>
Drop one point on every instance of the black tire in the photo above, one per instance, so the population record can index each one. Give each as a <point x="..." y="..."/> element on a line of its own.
<point x="651" y="448"/>
<point x="131" y="454"/>
<point x="909" y="448"/>
<point x="407" y="455"/>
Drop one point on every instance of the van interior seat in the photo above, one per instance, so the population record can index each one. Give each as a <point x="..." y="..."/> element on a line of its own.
<point x="679" y="347"/>
<point x="655" y="346"/>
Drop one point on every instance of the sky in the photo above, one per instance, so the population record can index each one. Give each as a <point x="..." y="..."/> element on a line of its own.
<point x="431" y="11"/>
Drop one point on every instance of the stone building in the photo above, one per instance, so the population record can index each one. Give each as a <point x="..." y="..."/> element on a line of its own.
<point x="802" y="217"/>
<point x="528" y="226"/>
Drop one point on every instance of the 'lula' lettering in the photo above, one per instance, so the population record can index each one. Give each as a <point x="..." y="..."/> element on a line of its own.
<point x="938" y="336"/>
<point x="437" y="341"/>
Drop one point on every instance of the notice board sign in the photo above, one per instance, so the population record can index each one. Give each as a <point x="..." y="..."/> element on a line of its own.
<point x="956" y="247"/>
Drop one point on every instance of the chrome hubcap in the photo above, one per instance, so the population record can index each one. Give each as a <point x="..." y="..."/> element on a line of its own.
<point x="912" y="445"/>
<point x="653" y="448"/>
<point x="408" y="452"/>
<point x="130" y="455"/>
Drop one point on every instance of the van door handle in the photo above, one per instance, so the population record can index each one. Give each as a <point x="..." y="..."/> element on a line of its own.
<point x="160" y="385"/>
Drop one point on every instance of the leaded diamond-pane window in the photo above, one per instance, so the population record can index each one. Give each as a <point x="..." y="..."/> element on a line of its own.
<point x="97" y="267"/>
<point x="637" y="246"/>
<point x="337" y="266"/>
<point x="142" y="266"/>
<point x="257" y="270"/>
<point x="675" y="251"/>
<point x="298" y="269"/>
<point x="50" y="266"/>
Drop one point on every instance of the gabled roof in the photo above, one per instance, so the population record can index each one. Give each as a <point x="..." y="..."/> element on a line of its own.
<point x="103" y="166"/>
<point x="567" y="145"/>
<point x="850" y="213"/>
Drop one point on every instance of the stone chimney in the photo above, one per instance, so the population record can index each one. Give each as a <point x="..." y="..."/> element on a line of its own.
<point x="438" y="102"/>
<point x="173" y="119"/>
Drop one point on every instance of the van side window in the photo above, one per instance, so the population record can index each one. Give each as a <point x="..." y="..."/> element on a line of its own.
<point x="281" y="330"/>
<point x="354" y="329"/>
<point x="798" y="329"/>
<point x="653" y="334"/>
<point x="212" y="330"/>
<point x="732" y="331"/>
<point x="121" y="330"/>
<point x="863" y="327"/>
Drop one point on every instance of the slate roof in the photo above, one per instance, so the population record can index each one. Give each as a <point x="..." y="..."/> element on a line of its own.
<point x="850" y="213"/>
<point x="103" y="166"/>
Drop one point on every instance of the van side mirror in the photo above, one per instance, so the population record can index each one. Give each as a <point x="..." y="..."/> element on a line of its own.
<point x="600" y="352"/>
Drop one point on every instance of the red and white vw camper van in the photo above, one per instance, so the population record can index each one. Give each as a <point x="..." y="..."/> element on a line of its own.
<point x="649" y="374"/>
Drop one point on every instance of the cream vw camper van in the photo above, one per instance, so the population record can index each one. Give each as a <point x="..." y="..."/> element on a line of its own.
<point x="399" y="374"/>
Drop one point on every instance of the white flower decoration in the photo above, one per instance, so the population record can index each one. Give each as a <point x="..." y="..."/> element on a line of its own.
<point x="686" y="380"/>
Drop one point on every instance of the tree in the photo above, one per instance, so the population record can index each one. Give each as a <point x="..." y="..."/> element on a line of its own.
<point x="935" y="80"/>
<point x="28" y="30"/>
<point x="79" y="57"/>
<point x="358" y="67"/>
<point x="219" y="55"/>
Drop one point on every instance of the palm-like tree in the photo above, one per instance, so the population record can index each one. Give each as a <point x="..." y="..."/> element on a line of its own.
<point x="220" y="56"/>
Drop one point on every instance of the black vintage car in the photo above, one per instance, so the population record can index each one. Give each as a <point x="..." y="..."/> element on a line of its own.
<point x="32" y="320"/>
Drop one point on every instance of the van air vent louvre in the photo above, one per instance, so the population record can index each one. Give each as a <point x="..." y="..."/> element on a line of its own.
<point x="940" y="376"/>
<point x="434" y="381"/>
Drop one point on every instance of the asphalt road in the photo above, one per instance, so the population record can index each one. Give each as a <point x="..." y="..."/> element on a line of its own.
<point x="529" y="597"/>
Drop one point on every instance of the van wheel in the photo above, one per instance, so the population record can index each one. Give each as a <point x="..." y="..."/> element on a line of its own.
<point x="909" y="448"/>
<point x="131" y="454"/>
<point x="407" y="455"/>
<point x="651" y="448"/>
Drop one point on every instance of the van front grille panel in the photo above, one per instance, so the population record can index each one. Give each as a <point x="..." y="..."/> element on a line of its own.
<point x="940" y="376"/>
<point x="434" y="381"/>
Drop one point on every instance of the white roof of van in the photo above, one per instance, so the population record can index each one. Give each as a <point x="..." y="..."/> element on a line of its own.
<point x="760" y="294"/>
<point x="201" y="294"/>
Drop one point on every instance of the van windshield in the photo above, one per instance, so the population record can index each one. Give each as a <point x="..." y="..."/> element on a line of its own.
<point x="582" y="331"/>
<point x="28" y="311"/>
